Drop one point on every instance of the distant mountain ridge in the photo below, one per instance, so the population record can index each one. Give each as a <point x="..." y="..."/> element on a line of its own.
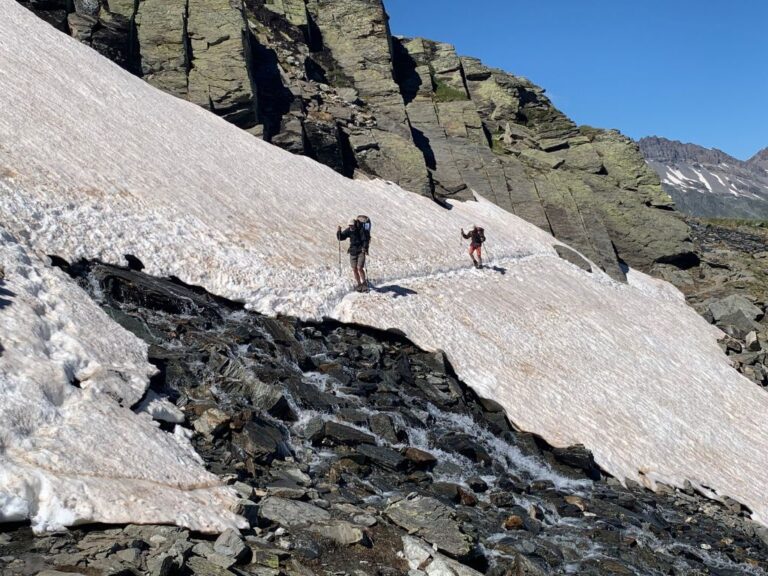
<point x="708" y="182"/>
<point x="759" y="160"/>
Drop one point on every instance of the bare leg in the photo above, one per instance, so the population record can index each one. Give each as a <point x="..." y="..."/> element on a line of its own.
<point x="473" y="249"/>
<point x="357" y="276"/>
<point x="360" y="272"/>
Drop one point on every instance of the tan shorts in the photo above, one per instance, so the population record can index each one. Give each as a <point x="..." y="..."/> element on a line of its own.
<point x="357" y="260"/>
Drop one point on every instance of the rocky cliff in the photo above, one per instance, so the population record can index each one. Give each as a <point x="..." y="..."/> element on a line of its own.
<point x="327" y="79"/>
<point x="710" y="183"/>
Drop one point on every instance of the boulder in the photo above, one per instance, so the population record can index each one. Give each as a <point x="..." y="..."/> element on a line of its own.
<point x="383" y="426"/>
<point x="212" y="422"/>
<point x="423" y="558"/>
<point x="204" y="567"/>
<point x="272" y="401"/>
<point x="383" y="457"/>
<point x="419" y="459"/>
<point x="291" y="513"/>
<point x="577" y="456"/>
<point x="737" y="324"/>
<point x="752" y="342"/>
<point x="732" y="304"/>
<point x="432" y="521"/>
<point x="477" y="484"/>
<point x="232" y="545"/>
<point x="338" y="434"/>
<point x="261" y="441"/>
<point x="341" y="532"/>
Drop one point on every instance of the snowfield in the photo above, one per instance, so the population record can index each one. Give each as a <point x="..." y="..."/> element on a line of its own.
<point x="71" y="450"/>
<point x="95" y="163"/>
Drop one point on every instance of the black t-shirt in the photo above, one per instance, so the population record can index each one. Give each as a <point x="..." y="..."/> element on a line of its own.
<point x="359" y="238"/>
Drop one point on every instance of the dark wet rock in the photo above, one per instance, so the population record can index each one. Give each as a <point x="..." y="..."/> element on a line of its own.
<point x="578" y="457"/>
<point x="334" y="433"/>
<point x="446" y="490"/>
<point x="383" y="426"/>
<point x="382" y="457"/>
<point x="490" y="405"/>
<point x="261" y="441"/>
<point x="419" y="458"/>
<point x="271" y="400"/>
<point x="466" y="446"/>
<point x="477" y="484"/>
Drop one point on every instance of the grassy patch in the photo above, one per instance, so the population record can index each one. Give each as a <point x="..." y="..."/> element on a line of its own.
<point x="737" y="222"/>
<point x="497" y="146"/>
<point x="446" y="93"/>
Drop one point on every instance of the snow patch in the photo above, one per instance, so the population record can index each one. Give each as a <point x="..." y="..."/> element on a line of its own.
<point x="626" y="369"/>
<point x="71" y="450"/>
<point x="703" y="180"/>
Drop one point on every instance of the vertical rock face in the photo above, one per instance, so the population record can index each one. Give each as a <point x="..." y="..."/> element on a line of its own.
<point x="326" y="78"/>
<point x="197" y="50"/>
<point x="355" y="36"/>
<point x="218" y="72"/>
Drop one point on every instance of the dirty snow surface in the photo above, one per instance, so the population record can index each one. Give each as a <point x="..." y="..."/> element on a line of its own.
<point x="95" y="163"/>
<point x="71" y="451"/>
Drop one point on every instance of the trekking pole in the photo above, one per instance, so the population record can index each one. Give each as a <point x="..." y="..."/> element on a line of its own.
<point x="339" y="258"/>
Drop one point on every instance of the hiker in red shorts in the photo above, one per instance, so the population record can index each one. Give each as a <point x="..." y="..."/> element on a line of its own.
<point x="476" y="245"/>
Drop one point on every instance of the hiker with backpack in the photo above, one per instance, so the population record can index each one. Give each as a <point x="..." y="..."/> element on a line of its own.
<point x="359" y="235"/>
<point x="477" y="235"/>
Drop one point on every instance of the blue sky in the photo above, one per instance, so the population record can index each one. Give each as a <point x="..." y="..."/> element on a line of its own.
<point x="690" y="70"/>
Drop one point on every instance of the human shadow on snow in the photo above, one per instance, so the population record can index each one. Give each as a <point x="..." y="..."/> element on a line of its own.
<point x="398" y="291"/>
<point x="5" y="292"/>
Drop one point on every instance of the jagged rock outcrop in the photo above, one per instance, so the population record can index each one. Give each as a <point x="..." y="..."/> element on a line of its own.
<point x="708" y="182"/>
<point x="759" y="160"/>
<point x="327" y="79"/>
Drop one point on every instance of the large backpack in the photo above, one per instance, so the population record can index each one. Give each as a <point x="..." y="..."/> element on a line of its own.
<point x="365" y="225"/>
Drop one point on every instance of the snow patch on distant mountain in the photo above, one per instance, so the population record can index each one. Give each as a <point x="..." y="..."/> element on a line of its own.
<point x="702" y="183"/>
<point x="627" y="369"/>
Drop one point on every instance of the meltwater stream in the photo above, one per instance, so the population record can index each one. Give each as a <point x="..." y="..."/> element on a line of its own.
<point x="342" y="418"/>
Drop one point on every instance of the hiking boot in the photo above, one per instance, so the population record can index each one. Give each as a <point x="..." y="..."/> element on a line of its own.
<point x="364" y="288"/>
